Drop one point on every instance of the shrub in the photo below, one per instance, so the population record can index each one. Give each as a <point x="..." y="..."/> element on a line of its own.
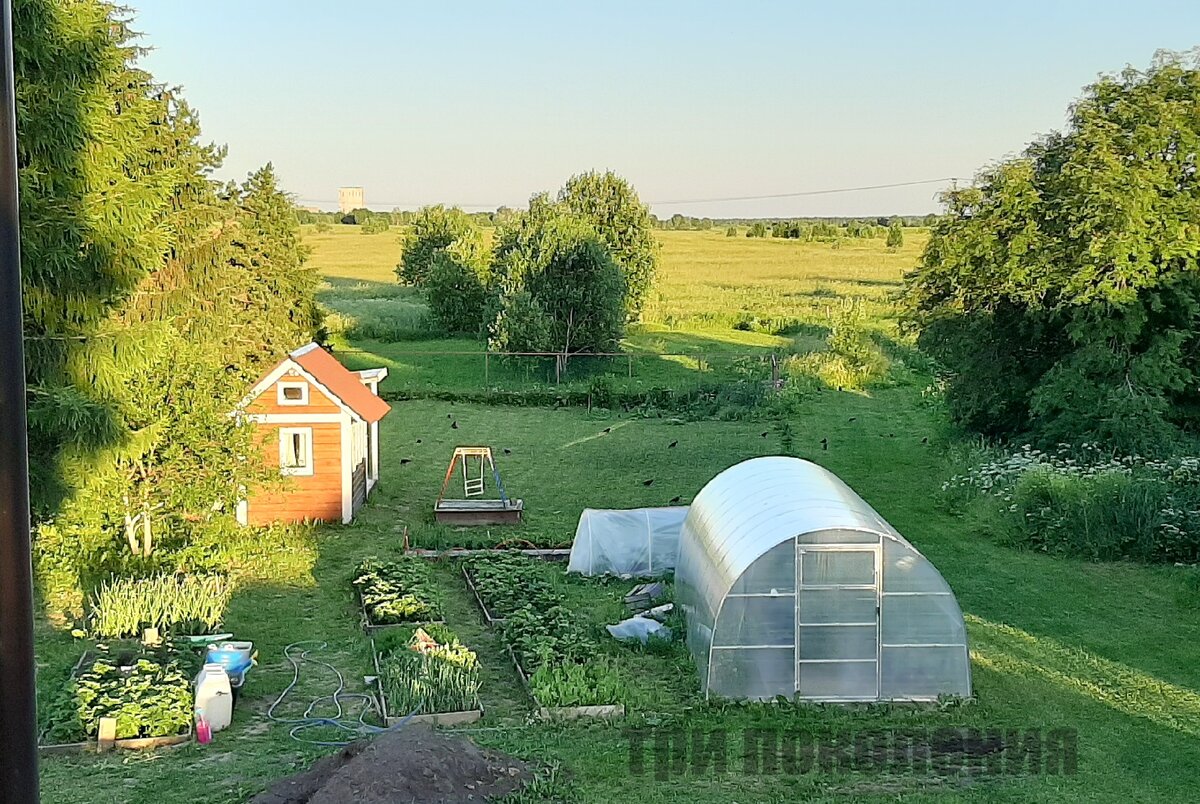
<point x="433" y="230"/>
<point x="126" y="606"/>
<point x="1086" y="503"/>
<point x="376" y="224"/>
<point x="456" y="295"/>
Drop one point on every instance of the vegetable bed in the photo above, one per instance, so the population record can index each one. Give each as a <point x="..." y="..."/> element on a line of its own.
<point x="395" y="593"/>
<point x="426" y="670"/>
<point x="147" y="692"/>
<point x="556" y="653"/>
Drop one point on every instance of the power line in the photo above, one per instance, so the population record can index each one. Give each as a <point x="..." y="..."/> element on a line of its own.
<point x="801" y="193"/>
<point x="764" y="197"/>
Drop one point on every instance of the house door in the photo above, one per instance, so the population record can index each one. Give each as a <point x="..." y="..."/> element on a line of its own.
<point x="837" y="622"/>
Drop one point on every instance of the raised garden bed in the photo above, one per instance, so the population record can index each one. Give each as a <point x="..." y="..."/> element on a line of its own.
<point x="426" y="663"/>
<point x="550" y="647"/>
<point x="396" y="593"/>
<point x="147" y="692"/>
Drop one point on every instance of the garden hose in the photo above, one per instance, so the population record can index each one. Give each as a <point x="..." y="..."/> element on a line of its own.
<point x="357" y="729"/>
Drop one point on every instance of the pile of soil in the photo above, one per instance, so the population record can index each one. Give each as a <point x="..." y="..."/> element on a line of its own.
<point x="412" y="764"/>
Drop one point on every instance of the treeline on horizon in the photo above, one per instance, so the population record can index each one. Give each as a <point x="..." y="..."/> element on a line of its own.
<point x="803" y="228"/>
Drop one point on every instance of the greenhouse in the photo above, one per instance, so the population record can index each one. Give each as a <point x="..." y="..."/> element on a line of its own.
<point x="627" y="543"/>
<point x="794" y="586"/>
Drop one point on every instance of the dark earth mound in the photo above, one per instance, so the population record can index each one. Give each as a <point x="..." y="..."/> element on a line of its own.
<point x="412" y="764"/>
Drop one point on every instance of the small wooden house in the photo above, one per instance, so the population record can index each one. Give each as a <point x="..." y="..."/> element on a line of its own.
<point x="319" y="423"/>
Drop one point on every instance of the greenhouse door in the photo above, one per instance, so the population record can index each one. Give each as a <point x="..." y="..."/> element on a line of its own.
<point x="837" y="622"/>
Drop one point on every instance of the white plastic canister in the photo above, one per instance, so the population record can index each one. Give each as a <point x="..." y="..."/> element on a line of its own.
<point x="214" y="696"/>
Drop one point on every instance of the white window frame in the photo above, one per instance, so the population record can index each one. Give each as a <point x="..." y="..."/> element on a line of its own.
<point x="285" y="435"/>
<point x="283" y="400"/>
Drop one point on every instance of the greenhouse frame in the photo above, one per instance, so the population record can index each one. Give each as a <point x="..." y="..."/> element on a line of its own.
<point x="634" y="542"/>
<point x="794" y="586"/>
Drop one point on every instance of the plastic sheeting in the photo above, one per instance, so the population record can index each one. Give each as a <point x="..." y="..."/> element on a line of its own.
<point x="794" y="586"/>
<point x="637" y="542"/>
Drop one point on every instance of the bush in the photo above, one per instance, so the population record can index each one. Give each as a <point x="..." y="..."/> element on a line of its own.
<point x="456" y="296"/>
<point x="126" y="606"/>
<point x="1085" y="503"/>
<point x="433" y="230"/>
<point x="376" y="224"/>
<point x="732" y="231"/>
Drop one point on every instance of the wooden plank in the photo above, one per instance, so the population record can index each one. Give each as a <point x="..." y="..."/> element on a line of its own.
<point x="487" y="614"/>
<point x="548" y="553"/>
<point x="496" y="517"/>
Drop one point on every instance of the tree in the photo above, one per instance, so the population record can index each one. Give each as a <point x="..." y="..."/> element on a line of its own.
<point x="611" y="206"/>
<point x="757" y="229"/>
<point x="456" y="295"/>
<point x="376" y="224"/>
<point x="146" y="318"/>
<point x="559" y="288"/>
<point x="435" y="229"/>
<point x="1062" y="288"/>
<point x="895" y="235"/>
<point x="732" y="231"/>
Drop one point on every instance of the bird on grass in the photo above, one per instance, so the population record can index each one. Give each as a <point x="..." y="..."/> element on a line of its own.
<point x="765" y="433"/>
<point x="676" y="500"/>
<point x="824" y="443"/>
<point x="853" y="418"/>
<point x="925" y="440"/>
<point x="673" y="445"/>
<point x="453" y="425"/>
<point x="449" y="415"/>
<point x="606" y="430"/>
<point x="648" y="482"/>
<point x="418" y="441"/>
<point x="405" y="460"/>
<point x="507" y="451"/>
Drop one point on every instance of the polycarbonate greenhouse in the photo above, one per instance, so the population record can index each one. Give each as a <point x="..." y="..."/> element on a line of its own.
<point x="793" y="585"/>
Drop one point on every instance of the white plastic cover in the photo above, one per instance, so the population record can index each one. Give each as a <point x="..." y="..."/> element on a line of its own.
<point x="637" y="542"/>
<point x="794" y="586"/>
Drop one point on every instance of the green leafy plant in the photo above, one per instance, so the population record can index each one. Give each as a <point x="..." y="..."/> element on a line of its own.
<point x="507" y="582"/>
<point x="595" y="683"/>
<point x="396" y="591"/>
<point x="148" y="694"/>
<point x="124" y="607"/>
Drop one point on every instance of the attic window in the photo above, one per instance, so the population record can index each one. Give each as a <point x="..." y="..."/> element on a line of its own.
<point x="293" y="393"/>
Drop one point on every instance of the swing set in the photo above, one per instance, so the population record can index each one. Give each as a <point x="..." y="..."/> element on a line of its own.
<point x="475" y="464"/>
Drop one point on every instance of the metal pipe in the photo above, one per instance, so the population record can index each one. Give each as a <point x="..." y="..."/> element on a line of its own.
<point x="18" y="717"/>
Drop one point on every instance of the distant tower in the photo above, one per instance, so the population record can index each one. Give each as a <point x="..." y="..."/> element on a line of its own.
<point x="350" y="198"/>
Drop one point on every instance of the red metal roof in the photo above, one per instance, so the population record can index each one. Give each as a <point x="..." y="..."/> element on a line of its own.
<point x="341" y="382"/>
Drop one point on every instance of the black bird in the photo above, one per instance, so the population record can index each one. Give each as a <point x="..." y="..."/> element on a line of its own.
<point x="418" y="441"/>
<point x="839" y="387"/>
<point x="891" y="435"/>
<point x="676" y="500"/>
<point x="405" y="460"/>
<point x="507" y="451"/>
<point x="925" y="440"/>
<point x="648" y="482"/>
<point x="673" y="445"/>
<point x="764" y="433"/>
<point x="449" y="415"/>
<point x="453" y="425"/>
<point x="606" y="430"/>
<point x="853" y="418"/>
<point x="824" y="443"/>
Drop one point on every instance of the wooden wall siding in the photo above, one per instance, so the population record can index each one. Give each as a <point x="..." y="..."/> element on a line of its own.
<point x="268" y="400"/>
<point x="315" y="496"/>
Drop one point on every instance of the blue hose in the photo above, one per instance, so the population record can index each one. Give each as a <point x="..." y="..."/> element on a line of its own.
<point x="358" y="729"/>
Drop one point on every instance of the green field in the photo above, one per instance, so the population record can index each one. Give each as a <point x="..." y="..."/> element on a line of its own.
<point x="1105" y="649"/>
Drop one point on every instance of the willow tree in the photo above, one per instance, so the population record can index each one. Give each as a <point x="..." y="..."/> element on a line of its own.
<point x="151" y="299"/>
<point x="1062" y="290"/>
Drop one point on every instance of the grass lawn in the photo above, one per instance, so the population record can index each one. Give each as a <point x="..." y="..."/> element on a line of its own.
<point x="1105" y="649"/>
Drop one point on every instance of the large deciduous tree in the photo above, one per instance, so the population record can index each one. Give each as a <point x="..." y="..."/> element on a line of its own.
<point x="433" y="230"/>
<point x="1062" y="290"/>
<point x="612" y="207"/>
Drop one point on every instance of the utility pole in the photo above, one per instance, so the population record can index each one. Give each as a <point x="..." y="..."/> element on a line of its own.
<point x="18" y="717"/>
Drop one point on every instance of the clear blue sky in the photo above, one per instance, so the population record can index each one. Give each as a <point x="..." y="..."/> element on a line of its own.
<point x="486" y="103"/>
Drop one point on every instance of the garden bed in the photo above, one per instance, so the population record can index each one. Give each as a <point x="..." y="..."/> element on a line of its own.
<point x="427" y="664"/>
<point x="562" y="712"/>
<point x="396" y="594"/>
<point x="147" y="692"/>
<point x="488" y="617"/>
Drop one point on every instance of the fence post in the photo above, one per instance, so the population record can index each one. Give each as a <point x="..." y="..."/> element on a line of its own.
<point x="485" y="367"/>
<point x="629" y="359"/>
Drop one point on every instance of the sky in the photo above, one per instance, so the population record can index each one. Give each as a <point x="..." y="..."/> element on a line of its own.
<point x="484" y="104"/>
